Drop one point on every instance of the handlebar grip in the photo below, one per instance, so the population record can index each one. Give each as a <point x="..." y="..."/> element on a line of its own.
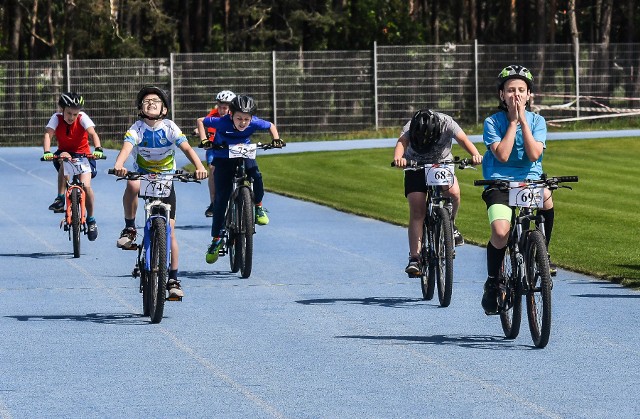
<point x="483" y="182"/>
<point x="393" y="164"/>
<point x="111" y="172"/>
<point x="567" y="178"/>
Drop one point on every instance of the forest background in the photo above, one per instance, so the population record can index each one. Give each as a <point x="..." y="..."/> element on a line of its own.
<point x="83" y="29"/>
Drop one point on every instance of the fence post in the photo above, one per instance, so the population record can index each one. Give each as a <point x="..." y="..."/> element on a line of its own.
<point x="375" y="83"/>
<point x="68" y="73"/>
<point x="577" y="43"/>
<point x="475" y="70"/>
<point x="273" y="82"/>
<point x="173" y="102"/>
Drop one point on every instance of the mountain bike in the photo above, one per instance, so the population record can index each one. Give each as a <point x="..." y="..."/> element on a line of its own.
<point x="154" y="254"/>
<point x="525" y="267"/>
<point x="75" y="219"/>
<point x="240" y="216"/>
<point x="437" y="244"/>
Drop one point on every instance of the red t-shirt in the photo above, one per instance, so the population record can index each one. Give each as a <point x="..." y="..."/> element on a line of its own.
<point x="72" y="138"/>
<point x="212" y="131"/>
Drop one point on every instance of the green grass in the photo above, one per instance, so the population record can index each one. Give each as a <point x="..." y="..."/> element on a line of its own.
<point x="597" y="228"/>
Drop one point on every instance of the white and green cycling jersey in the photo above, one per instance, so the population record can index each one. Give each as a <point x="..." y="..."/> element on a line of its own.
<point x="154" y="147"/>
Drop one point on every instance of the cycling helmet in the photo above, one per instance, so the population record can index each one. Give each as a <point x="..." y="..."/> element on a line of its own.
<point x="244" y="103"/>
<point x="225" y="96"/>
<point x="70" y="100"/>
<point x="515" y="72"/>
<point x="152" y="89"/>
<point x="424" y="131"/>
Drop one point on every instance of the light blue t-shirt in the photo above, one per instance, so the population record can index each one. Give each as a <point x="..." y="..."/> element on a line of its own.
<point x="518" y="166"/>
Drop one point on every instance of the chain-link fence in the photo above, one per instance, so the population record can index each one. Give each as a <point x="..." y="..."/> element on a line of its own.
<point x="328" y="93"/>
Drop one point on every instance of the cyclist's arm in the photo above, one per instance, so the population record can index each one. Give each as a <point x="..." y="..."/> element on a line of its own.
<point x="469" y="147"/>
<point x="274" y="132"/>
<point x="201" y="172"/>
<point x="532" y="147"/>
<point x="46" y="141"/>
<point x="94" y="137"/>
<point x="202" y="132"/>
<point x="398" y="151"/>
<point x="118" y="166"/>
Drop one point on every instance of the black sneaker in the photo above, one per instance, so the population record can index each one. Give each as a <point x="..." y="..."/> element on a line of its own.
<point x="127" y="238"/>
<point x="209" y="211"/>
<point x="413" y="268"/>
<point x="490" y="296"/>
<point x="174" y="288"/>
<point x="92" y="230"/>
<point x="457" y="237"/>
<point x="58" y="205"/>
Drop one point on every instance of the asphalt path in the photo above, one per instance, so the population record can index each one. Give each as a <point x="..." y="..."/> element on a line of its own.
<point x="327" y="326"/>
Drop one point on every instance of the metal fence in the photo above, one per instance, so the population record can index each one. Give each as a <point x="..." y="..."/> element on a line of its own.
<point x="325" y="93"/>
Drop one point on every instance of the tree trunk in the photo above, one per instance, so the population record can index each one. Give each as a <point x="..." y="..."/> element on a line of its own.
<point x="16" y="30"/>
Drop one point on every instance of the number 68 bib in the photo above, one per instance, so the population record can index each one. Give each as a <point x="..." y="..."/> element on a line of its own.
<point x="439" y="174"/>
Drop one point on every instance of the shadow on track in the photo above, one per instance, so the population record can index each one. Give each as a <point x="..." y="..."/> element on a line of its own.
<point x="218" y="275"/>
<point x="103" y="318"/>
<point x="369" y="301"/>
<point x="607" y="296"/>
<point x="470" y="342"/>
<point x="36" y="255"/>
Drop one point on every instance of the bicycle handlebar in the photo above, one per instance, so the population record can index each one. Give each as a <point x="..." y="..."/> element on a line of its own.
<point x="178" y="175"/>
<point x="272" y="144"/>
<point x="414" y="165"/>
<point x="88" y="156"/>
<point x="547" y="181"/>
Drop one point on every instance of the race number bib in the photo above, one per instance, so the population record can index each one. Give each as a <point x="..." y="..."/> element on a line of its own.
<point x="521" y="195"/>
<point x="155" y="185"/>
<point x="76" y="166"/>
<point x="242" y="151"/>
<point x="439" y="174"/>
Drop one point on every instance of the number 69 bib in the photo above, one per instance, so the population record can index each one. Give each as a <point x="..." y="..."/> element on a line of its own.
<point x="522" y="195"/>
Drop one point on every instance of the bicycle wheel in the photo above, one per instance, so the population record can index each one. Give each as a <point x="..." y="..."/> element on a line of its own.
<point x="247" y="227"/>
<point x="157" y="274"/>
<point x="75" y="221"/>
<point x="234" y="251"/>
<point x="443" y="241"/>
<point x="538" y="294"/>
<point x="511" y="313"/>
<point x="146" y="292"/>
<point x="427" y="276"/>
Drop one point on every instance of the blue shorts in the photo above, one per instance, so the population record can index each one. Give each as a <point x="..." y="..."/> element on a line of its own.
<point x="92" y="162"/>
<point x="210" y="157"/>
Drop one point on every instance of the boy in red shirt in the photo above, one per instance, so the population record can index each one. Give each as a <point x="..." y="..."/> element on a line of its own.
<point x="72" y="129"/>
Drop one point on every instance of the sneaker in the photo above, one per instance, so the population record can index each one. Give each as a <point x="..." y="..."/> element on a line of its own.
<point x="261" y="216"/>
<point x="58" y="204"/>
<point x="174" y="288"/>
<point x="209" y="211"/>
<point x="413" y="268"/>
<point x="127" y="238"/>
<point x="490" y="297"/>
<point x="553" y="269"/>
<point x="214" y="249"/>
<point x="457" y="237"/>
<point x="92" y="230"/>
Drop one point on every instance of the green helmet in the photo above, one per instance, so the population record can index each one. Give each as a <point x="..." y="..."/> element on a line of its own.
<point x="515" y="72"/>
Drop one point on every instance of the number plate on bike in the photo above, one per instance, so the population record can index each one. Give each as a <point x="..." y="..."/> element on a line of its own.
<point x="439" y="174"/>
<point x="155" y="185"/>
<point x="76" y="166"/>
<point x="242" y="151"/>
<point x="524" y="195"/>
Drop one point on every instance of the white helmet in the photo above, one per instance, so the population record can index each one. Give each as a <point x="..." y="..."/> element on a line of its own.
<point x="225" y="96"/>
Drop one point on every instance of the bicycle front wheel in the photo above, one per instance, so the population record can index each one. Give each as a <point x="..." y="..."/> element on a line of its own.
<point x="234" y="247"/>
<point x="511" y="311"/>
<point x="75" y="221"/>
<point x="247" y="228"/>
<point x="157" y="275"/>
<point x="443" y="253"/>
<point x="538" y="295"/>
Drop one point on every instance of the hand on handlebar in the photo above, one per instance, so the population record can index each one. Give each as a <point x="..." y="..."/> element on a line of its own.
<point x="47" y="155"/>
<point x="201" y="174"/>
<point x="120" y="171"/>
<point x="400" y="162"/>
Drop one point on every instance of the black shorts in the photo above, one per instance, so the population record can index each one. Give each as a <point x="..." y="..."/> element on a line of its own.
<point x="416" y="181"/>
<point x="92" y="162"/>
<point x="171" y="200"/>
<point x="495" y="196"/>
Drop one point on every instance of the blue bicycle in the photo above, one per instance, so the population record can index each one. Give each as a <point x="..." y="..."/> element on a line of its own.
<point x="154" y="254"/>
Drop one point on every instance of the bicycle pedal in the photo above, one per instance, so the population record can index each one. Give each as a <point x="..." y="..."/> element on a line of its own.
<point x="60" y="211"/>
<point x="173" y="298"/>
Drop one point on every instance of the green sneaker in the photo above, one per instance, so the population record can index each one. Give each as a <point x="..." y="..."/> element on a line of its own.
<point x="261" y="216"/>
<point x="214" y="248"/>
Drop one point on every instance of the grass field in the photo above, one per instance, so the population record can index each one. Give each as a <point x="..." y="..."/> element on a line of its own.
<point x="597" y="224"/>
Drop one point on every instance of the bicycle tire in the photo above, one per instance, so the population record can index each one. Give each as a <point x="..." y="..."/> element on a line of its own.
<point x="75" y="221"/>
<point x="247" y="228"/>
<point x="538" y="295"/>
<point x="511" y="319"/>
<point x="233" y="248"/>
<point x="427" y="276"/>
<point x="158" y="269"/>
<point x="443" y="246"/>
<point x="145" y="289"/>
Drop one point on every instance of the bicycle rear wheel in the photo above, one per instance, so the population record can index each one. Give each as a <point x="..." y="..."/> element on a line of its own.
<point x="247" y="228"/>
<point x="538" y="295"/>
<point x="511" y="314"/>
<point x="443" y="246"/>
<point x="157" y="275"/>
<point x="427" y="276"/>
<point x="75" y="221"/>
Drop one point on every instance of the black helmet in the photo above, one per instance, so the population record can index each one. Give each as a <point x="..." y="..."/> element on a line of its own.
<point x="515" y="72"/>
<point x="424" y="131"/>
<point x="244" y="103"/>
<point x="152" y="89"/>
<point x="70" y="100"/>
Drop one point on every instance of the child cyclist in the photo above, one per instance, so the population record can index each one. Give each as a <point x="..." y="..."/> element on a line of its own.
<point x="515" y="140"/>
<point x="223" y="100"/>
<point x="153" y="140"/>
<point x="427" y="138"/>
<point x="234" y="128"/>
<point x="72" y="128"/>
